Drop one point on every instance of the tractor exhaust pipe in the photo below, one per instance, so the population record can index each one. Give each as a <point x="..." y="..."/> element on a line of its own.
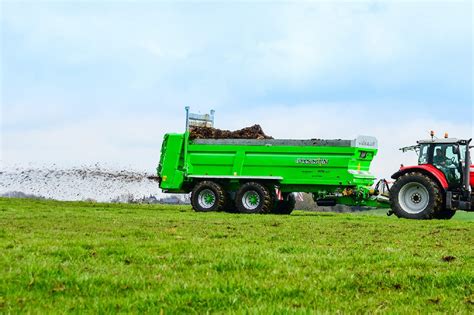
<point x="467" y="169"/>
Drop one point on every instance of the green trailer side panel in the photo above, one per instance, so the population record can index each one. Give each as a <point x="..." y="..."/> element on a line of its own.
<point x="298" y="165"/>
<point x="210" y="163"/>
<point x="302" y="165"/>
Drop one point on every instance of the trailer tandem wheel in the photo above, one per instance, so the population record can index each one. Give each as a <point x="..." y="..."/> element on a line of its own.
<point x="253" y="197"/>
<point x="230" y="203"/>
<point x="208" y="196"/>
<point x="285" y="206"/>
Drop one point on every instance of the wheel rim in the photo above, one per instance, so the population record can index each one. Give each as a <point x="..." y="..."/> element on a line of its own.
<point x="206" y="198"/>
<point x="251" y="200"/>
<point x="413" y="198"/>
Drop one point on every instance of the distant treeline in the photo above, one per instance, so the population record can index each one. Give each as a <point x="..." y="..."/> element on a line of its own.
<point x="307" y="203"/>
<point x="125" y="198"/>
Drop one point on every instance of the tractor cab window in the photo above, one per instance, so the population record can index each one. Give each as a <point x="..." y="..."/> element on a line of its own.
<point x="423" y="157"/>
<point x="446" y="159"/>
<point x="462" y="150"/>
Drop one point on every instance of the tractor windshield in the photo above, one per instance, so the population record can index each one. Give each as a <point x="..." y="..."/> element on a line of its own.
<point x="423" y="157"/>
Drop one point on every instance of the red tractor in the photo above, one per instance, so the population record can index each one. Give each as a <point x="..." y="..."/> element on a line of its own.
<point x="441" y="183"/>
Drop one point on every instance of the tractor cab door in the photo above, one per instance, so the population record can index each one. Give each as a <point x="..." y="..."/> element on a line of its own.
<point x="446" y="158"/>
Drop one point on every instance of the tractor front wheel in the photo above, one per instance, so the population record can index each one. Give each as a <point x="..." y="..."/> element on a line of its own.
<point x="416" y="196"/>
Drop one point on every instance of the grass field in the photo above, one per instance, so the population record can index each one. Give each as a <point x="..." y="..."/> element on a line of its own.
<point x="78" y="257"/>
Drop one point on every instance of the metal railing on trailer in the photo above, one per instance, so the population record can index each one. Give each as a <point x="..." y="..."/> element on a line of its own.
<point x="195" y="120"/>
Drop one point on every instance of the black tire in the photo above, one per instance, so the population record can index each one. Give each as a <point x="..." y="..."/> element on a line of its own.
<point x="230" y="204"/>
<point x="445" y="214"/>
<point x="416" y="196"/>
<point x="263" y="198"/>
<point x="215" y="193"/>
<point x="285" y="206"/>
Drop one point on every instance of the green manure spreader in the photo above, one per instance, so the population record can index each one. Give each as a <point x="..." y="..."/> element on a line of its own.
<point x="261" y="175"/>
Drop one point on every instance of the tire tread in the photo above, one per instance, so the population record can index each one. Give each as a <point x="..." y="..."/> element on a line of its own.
<point x="266" y="197"/>
<point x="431" y="212"/>
<point x="221" y="196"/>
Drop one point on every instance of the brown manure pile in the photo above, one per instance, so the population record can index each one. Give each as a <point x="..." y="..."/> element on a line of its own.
<point x="253" y="132"/>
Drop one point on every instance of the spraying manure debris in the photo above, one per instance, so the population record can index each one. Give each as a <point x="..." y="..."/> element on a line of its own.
<point x="78" y="183"/>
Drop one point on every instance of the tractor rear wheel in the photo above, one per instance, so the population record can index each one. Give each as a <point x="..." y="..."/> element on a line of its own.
<point x="285" y="206"/>
<point x="416" y="196"/>
<point x="253" y="197"/>
<point x="208" y="196"/>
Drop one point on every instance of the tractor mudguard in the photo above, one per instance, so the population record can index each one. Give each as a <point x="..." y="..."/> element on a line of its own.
<point x="427" y="169"/>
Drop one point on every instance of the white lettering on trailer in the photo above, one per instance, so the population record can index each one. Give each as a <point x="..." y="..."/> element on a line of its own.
<point x="312" y="161"/>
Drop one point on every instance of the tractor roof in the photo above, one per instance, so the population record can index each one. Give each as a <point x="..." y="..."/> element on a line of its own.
<point x="436" y="141"/>
<point x="442" y="141"/>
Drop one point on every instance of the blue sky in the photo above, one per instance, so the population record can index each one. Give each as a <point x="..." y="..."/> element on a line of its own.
<point x="101" y="81"/>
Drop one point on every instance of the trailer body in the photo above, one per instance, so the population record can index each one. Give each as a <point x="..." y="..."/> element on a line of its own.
<point x="337" y="170"/>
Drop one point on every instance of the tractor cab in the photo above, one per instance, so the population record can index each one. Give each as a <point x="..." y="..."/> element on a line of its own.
<point x="440" y="184"/>
<point x="447" y="155"/>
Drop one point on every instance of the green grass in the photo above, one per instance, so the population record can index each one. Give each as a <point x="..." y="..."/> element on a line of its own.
<point x="78" y="257"/>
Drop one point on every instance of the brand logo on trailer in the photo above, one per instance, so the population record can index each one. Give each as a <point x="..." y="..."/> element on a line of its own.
<point x="312" y="161"/>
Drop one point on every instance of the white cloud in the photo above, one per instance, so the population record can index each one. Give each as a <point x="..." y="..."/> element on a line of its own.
<point x="292" y="41"/>
<point x="331" y="40"/>
<point x="115" y="140"/>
